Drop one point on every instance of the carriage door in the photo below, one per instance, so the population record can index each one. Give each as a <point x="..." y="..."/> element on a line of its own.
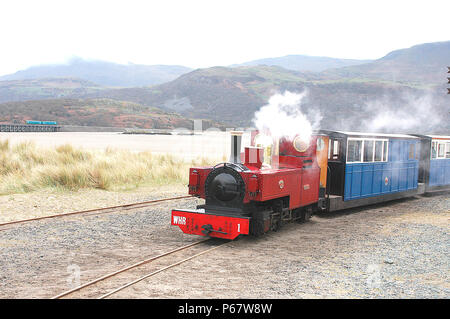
<point x="336" y="166"/>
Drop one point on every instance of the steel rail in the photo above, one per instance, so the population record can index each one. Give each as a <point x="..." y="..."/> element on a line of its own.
<point x="92" y="282"/>
<point x="157" y="272"/>
<point x="99" y="210"/>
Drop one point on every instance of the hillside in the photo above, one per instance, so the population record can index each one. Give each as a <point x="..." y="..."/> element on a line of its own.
<point x="424" y="64"/>
<point x="45" y="88"/>
<point x="103" y="73"/>
<point x="93" y="112"/>
<point x="305" y="63"/>
<point x="229" y="95"/>
<point x="232" y="95"/>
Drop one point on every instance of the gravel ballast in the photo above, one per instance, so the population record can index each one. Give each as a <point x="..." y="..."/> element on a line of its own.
<point x="393" y="250"/>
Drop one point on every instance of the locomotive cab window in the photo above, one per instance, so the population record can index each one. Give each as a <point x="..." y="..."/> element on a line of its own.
<point x="266" y="143"/>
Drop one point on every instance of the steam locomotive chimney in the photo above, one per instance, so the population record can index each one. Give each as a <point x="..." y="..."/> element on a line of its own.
<point x="236" y="138"/>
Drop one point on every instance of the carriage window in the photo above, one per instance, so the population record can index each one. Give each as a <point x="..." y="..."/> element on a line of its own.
<point x="441" y="150"/>
<point x="433" y="150"/>
<point x="336" y="149"/>
<point x="333" y="149"/>
<point x="354" y="151"/>
<point x="378" y="156"/>
<point x="368" y="151"/>
<point x="329" y="148"/>
<point x="385" y="151"/>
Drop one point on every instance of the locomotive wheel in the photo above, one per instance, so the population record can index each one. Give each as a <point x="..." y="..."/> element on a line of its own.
<point x="275" y="224"/>
<point x="305" y="215"/>
<point x="275" y="219"/>
<point x="257" y="224"/>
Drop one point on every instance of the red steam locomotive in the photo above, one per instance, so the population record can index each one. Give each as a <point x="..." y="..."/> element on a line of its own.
<point x="258" y="189"/>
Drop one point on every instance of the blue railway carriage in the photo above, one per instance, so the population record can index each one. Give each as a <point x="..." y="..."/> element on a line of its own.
<point x="365" y="168"/>
<point x="434" y="170"/>
<point x="42" y="122"/>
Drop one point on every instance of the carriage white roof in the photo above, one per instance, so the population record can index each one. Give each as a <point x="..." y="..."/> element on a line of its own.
<point x="444" y="137"/>
<point x="377" y="134"/>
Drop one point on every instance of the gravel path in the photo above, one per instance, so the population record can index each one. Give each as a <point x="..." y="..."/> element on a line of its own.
<point x="53" y="202"/>
<point x="395" y="250"/>
<point x="40" y="259"/>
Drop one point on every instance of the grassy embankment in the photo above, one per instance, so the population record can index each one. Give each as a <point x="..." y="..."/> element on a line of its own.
<point x="25" y="168"/>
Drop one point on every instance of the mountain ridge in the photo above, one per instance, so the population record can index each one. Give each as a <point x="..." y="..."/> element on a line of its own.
<point x="305" y="63"/>
<point x="422" y="63"/>
<point x="103" y="73"/>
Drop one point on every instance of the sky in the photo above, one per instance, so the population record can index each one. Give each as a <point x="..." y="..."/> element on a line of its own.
<point x="205" y="33"/>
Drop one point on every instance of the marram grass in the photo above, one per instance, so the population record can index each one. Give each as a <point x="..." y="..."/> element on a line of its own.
<point x="25" y="168"/>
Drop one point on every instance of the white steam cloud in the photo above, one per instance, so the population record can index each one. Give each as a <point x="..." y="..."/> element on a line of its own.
<point x="414" y="112"/>
<point x="283" y="116"/>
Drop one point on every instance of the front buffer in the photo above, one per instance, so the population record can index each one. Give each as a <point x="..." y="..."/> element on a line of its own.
<point x="197" y="222"/>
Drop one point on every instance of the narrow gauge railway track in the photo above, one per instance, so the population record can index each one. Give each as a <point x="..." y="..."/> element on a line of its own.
<point x="82" y="289"/>
<point x="95" y="211"/>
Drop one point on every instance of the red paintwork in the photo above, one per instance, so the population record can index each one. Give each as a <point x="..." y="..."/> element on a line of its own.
<point x="197" y="184"/>
<point x="252" y="186"/>
<point x="253" y="157"/>
<point x="191" y="222"/>
<point x="294" y="175"/>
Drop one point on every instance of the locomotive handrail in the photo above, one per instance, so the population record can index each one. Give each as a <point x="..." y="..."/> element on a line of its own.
<point x="224" y="164"/>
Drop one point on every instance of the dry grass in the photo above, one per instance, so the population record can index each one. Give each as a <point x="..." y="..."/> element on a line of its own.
<point x="25" y="167"/>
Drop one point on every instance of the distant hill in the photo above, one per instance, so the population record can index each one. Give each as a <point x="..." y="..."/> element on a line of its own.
<point x="94" y="112"/>
<point x="103" y="73"/>
<point x="45" y="88"/>
<point x="424" y="64"/>
<point x="305" y="63"/>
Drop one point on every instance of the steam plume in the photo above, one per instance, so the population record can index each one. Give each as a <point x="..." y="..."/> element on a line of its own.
<point x="413" y="112"/>
<point x="283" y="116"/>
